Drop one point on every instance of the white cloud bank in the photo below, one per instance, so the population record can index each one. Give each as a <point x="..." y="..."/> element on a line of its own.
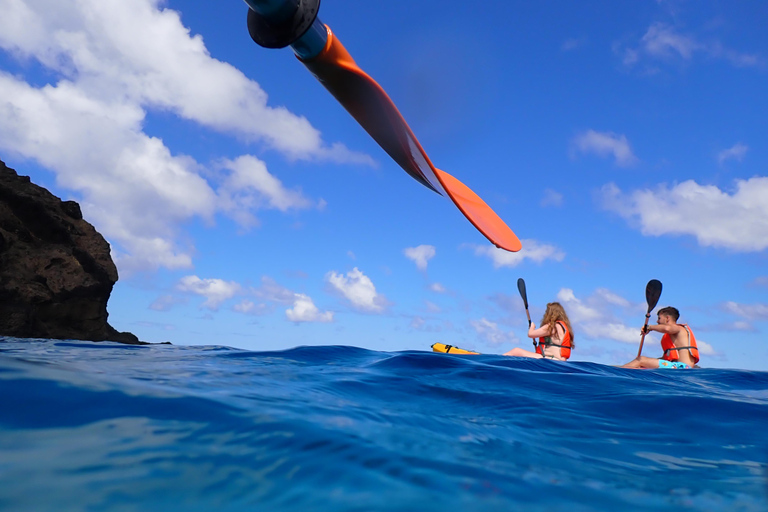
<point x="358" y="289"/>
<point x="217" y="291"/>
<point x="604" y="144"/>
<point x="532" y="250"/>
<point x="112" y="62"/>
<point x="737" y="221"/>
<point x="420" y="255"/>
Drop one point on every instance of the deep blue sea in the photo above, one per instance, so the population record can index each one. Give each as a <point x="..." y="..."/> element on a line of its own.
<point x="102" y="426"/>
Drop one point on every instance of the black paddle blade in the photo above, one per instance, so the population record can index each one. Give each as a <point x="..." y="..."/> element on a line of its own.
<point x="523" y="294"/>
<point x="652" y="293"/>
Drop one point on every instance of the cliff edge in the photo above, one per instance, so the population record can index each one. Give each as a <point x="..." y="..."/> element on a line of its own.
<point x="56" y="272"/>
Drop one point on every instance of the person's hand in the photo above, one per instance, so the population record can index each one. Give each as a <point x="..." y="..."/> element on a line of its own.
<point x="644" y="330"/>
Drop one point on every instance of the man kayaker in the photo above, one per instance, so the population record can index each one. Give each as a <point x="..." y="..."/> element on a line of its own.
<point x="678" y="342"/>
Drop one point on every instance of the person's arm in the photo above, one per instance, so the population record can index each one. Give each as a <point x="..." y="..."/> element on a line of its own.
<point x="670" y="329"/>
<point x="540" y="332"/>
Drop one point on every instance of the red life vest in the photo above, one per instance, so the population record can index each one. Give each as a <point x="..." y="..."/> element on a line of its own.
<point x="670" y="350"/>
<point x="565" y="347"/>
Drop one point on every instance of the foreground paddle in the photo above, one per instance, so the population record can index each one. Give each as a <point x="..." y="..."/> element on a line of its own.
<point x="652" y="294"/>
<point x="280" y="23"/>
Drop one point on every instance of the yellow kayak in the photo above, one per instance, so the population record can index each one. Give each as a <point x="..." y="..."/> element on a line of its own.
<point x="450" y="349"/>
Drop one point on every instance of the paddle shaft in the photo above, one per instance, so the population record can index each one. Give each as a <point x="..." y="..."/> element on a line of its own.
<point x="642" y="338"/>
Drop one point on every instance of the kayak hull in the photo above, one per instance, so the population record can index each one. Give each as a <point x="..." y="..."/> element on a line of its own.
<point x="450" y="349"/>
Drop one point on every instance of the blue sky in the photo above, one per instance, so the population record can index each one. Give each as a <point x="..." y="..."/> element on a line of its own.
<point x="621" y="141"/>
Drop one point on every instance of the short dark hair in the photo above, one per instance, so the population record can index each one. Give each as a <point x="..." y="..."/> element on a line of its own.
<point x="669" y="310"/>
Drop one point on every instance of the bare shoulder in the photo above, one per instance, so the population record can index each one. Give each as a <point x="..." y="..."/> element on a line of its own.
<point x="675" y="328"/>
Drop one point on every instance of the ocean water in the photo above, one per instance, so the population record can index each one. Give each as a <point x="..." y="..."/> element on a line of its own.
<point x="102" y="426"/>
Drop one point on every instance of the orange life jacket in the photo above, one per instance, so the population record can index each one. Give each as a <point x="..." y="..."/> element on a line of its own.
<point x="670" y="350"/>
<point x="565" y="348"/>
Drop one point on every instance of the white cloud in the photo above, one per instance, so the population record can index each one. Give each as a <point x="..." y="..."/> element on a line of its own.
<point x="604" y="144"/>
<point x="576" y="310"/>
<point x="250" y="187"/>
<point x="133" y="189"/>
<point x="748" y="311"/>
<point x="630" y="57"/>
<point x="705" y="348"/>
<point x="215" y="291"/>
<point x="663" y="42"/>
<point x="248" y="307"/>
<point x="87" y="124"/>
<point x="490" y="332"/>
<point x="593" y="317"/>
<point x="358" y="289"/>
<point x="165" y="303"/>
<point x="613" y="331"/>
<point x="94" y="43"/>
<point x="532" y="250"/>
<point x="572" y="44"/>
<point x="420" y="255"/>
<point x="741" y="326"/>
<point x="304" y="310"/>
<point x="737" y="221"/>
<point x="552" y="198"/>
<point x="611" y="298"/>
<point x="437" y="288"/>
<point x="736" y="152"/>
<point x="271" y="291"/>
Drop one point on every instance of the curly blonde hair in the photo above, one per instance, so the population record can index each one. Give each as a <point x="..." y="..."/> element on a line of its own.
<point x="556" y="313"/>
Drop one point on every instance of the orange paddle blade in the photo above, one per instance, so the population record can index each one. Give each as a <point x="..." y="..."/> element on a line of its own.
<point x="479" y="214"/>
<point x="373" y="109"/>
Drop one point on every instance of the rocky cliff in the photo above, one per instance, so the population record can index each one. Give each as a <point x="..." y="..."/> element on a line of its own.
<point x="56" y="272"/>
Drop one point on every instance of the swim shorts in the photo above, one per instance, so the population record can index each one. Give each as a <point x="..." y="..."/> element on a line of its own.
<point x="675" y="365"/>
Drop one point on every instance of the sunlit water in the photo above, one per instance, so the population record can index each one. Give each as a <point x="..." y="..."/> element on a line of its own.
<point x="103" y="426"/>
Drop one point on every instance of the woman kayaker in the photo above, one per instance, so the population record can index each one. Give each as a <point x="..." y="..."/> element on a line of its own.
<point x="555" y="336"/>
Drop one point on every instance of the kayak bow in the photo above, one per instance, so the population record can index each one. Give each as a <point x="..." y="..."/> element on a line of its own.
<point x="294" y="23"/>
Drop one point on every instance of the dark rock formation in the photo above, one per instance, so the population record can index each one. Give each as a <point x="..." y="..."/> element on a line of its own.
<point x="56" y="272"/>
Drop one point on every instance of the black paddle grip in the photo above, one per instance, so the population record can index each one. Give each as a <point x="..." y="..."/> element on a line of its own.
<point x="285" y="27"/>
